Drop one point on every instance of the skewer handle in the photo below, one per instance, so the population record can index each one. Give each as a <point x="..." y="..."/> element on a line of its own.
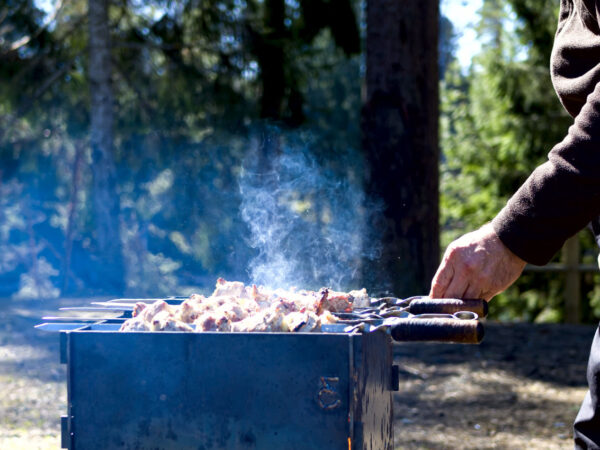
<point x="438" y="330"/>
<point x="426" y="305"/>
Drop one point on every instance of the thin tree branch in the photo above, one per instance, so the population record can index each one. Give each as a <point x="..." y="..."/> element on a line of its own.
<point x="28" y="103"/>
<point x="27" y="39"/>
<point x="146" y="107"/>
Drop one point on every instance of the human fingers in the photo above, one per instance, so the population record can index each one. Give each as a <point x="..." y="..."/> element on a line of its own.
<point x="441" y="280"/>
<point x="457" y="287"/>
<point x="475" y="291"/>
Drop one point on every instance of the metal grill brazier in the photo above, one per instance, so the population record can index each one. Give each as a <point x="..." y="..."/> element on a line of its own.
<point x="215" y="390"/>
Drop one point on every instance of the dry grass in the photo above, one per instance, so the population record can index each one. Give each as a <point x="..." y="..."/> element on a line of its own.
<point x="521" y="388"/>
<point x="32" y="382"/>
<point x="486" y="410"/>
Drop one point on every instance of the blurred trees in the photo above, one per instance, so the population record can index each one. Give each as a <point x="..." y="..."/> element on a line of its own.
<point x="200" y="89"/>
<point x="190" y="82"/>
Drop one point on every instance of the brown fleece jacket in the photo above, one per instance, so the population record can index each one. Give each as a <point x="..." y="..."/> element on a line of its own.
<point x="562" y="195"/>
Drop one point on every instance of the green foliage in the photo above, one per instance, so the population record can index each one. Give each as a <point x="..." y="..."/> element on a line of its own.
<point x="187" y="84"/>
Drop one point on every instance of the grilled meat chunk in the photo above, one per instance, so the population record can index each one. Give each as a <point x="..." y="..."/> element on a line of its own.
<point x="138" y="308"/>
<point x="214" y="321"/>
<point x="300" y="321"/>
<point x="265" y="320"/>
<point x="360" y="299"/>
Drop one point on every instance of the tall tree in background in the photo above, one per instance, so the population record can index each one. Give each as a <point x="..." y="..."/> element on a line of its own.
<point x="400" y="129"/>
<point x="105" y="200"/>
<point x="271" y="60"/>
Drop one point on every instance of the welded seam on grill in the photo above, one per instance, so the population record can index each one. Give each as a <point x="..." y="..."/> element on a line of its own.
<point x="70" y="366"/>
<point x="351" y="387"/>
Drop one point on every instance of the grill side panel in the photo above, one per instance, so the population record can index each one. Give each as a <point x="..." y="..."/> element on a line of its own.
<point x="209" y="390"/>
<point x="373" y="400"/>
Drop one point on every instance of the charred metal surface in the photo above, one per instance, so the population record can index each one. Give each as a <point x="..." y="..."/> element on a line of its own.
<point x="228" y="390"/>
<point x="395" y="378"/>
<point x="65" y="438"/>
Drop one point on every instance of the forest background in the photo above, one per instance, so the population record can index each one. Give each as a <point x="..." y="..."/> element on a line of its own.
<point x="198" y="103"/>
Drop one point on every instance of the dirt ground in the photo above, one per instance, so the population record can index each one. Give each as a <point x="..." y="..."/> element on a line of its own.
<point x="520" y="388"/>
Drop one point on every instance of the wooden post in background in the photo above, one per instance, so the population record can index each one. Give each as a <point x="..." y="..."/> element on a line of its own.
<point x="570" y="256"/>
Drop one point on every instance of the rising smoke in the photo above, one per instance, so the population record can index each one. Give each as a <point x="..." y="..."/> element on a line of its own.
<point x="308" y="224"/>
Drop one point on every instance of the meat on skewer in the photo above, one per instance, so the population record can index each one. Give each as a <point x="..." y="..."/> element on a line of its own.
<point x="234" y="306"/>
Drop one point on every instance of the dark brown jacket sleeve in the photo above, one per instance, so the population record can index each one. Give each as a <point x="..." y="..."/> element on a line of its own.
<point x="561" y="196"/>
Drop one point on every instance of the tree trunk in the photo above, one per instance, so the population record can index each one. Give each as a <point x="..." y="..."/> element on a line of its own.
<point x="400" y="140"/>
<point x="71" y="211"/>
<point x="105" y="199"/>
<point x="271" y="60"/>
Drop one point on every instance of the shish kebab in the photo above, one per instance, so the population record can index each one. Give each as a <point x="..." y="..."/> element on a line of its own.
<point x="236" y="307"/>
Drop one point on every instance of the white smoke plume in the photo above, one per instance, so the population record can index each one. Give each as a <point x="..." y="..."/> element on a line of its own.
<point x="308" y="225"/>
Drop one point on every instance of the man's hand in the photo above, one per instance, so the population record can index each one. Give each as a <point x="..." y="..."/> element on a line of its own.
<point x="477" y="265"/>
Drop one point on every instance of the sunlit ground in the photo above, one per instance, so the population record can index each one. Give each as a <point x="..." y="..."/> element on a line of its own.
<point x="479" y="409"/>
<point x="521" y="388"/>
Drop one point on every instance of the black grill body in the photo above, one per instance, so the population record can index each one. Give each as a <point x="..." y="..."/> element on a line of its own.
<point x="169" y="390"/>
